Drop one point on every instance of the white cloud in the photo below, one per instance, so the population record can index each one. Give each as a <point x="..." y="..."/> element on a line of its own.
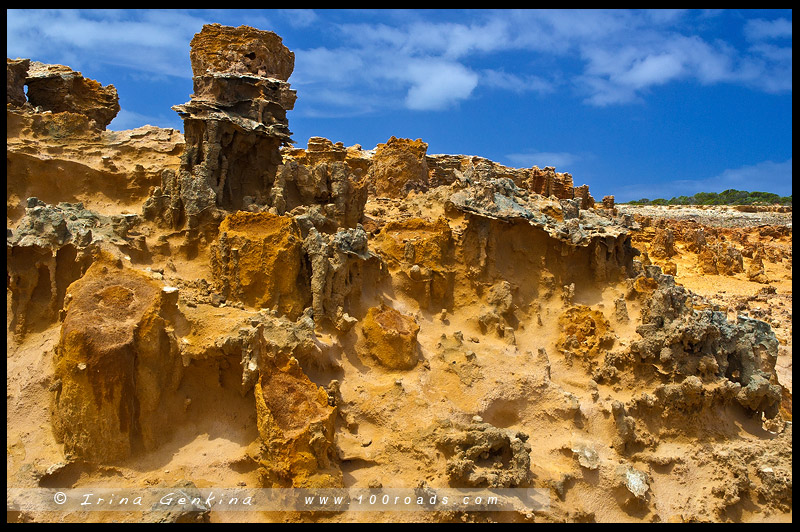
<point x="526" y="83"/>
<point x="300" y="18"/>
<point x="438" y="84"/>
<point x="651" y="70"/>
<point x="758" y="29"/>
<point x="430" y="60"/>
<point x="152" y="41"/>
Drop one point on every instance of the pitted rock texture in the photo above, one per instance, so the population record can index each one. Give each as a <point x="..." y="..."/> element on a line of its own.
<point x="480" y="455"/>
<point x="242" y="50"/>
<point x="16" y="72"/>
<point x="685" y="342"/>
<point x="234" y="126"/>
<point x="60" y="157"/>
<point x="321" y="186"/>
<point x="59" y="89"/>
<point x="295" y="423"/>
<point x="340" y="263"/>
<point x="398" y="167"/>
<point x="52" y="246"/>
<point x="335" y="316"/>
<point x="258" y="259"/>
<point x="116" y="364"/>
<point x="391" y="338"/>
<point x="423" y="253"/>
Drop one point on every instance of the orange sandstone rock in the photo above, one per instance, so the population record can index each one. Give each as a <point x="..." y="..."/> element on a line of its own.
<point x="58" y="88"/>
<point x="390" y="337"/>
<point x="584" y="332"/>
<point x="398" y="167"/>
<point x="116" y="364"/>
<point x="296" y="426"/>
<point x="243" y="50"/>
<point x="424" y="252"/>
<point x="258" y="260"/>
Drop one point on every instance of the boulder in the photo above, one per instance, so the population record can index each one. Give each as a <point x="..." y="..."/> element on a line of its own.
<point x="116" y="364"/>
<point x="390" y="337"/>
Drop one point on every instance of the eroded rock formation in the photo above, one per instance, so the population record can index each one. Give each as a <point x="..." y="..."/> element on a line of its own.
<point x="116" y="364"/>
<point x="332" y="316"/>
<point x="258" y="259"/>
<point x="234" y="126"/>
<point x="390" y="337"/>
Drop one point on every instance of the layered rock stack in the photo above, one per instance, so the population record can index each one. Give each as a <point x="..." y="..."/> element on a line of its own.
<point x="59" y="89"/>
<point x="547" y="182"/>
<point x="234" y="126"/>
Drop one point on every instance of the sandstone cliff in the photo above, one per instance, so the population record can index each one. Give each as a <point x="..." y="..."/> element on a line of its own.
<point x="222" y="308"/>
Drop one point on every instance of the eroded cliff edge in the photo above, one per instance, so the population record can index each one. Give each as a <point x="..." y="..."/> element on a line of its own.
<point x="331" y="316"/>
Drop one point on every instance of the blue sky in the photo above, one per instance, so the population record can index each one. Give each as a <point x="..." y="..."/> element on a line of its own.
<point x="633" y="103"/>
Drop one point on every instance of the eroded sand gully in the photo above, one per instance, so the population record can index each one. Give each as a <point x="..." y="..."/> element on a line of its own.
<point x="223" y="310"/>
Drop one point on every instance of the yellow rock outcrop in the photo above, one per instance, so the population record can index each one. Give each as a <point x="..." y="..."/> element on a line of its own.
<point x="296" y="426"/>
<point x="390" y="337"/>
<point x="115" y="364"/>
<point x="258" y="260"/>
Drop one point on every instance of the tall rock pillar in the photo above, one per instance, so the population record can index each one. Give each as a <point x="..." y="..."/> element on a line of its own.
<point x="234" y="125"/>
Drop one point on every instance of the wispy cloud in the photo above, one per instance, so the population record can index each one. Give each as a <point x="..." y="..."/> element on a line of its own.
<point x="300" y="18"/>
<point x="609" y="57"/>
<point x="149" y="41"/>
<point x="758" y="29"/>
<point x="434" y="60"/>
<point x="499" y="79"/>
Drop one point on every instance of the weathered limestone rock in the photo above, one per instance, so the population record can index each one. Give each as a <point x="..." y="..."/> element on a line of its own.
<point x="296" y="426"/>
<point x="337" y="264"/>
<point x="16" y="72"/>
<point x="258" y="260"/>
<point x="423" y="251"/>
<point x="600" y="243"/>
<point x="586" y="456"/>
<point x="241" y="50"/>
<point x="59" y="89"/>
<point x="52" y="246"/>
<point x="390" y="337"/>
<point x="116" y="364"/>
<point x="582" y="192"/>
<point x="62" y="157"/>
<point x="499" y="315"/>
<point x="663" y="244"/>
<point x="608" y="202"/>
<point x="234" y="126"/>
<point x="482" y="455"/>
<point x="547" y="182"/>
<point x="327" y="195"/>
<point x="735" y="360"/>
<point x="398" y="167"/>
<point x="446" y="169"/>
<point x="633" y="480"/>
<point x="720" y="258"/>
<point x="585" y="333"/>
<point x="756" y="271"/>
<point x="695" y="239"/>
<point x="294" y="417"/>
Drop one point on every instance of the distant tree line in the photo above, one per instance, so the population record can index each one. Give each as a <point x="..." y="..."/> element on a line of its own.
<point x="728" y="197"/>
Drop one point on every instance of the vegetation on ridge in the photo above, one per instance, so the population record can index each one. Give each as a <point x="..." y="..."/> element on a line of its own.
<point x="728" y="197"/>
